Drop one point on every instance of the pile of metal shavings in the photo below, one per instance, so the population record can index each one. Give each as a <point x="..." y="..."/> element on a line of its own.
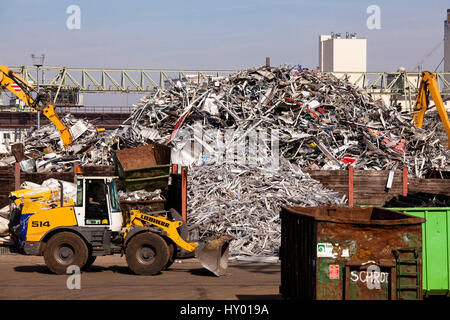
<point x="245" y="202"/>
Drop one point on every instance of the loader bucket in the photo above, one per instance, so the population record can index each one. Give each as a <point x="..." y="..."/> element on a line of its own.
<point x="214" y="255"/>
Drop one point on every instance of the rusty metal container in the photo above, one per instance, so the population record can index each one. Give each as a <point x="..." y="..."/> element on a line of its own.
<point x="336" y="253"/>
<point x="145" y="167"/>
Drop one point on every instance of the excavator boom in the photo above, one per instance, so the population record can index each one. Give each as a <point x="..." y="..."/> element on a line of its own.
<point x="428" y="86"/>
<point x="7" y="81"/>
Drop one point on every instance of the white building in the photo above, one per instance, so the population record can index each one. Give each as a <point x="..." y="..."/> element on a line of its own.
<point x="9" y="137"/>
<point x="338" y="54"/>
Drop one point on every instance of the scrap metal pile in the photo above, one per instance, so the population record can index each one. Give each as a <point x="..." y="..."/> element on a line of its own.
<point x="44" y="150"/>
<point x="245" y="202"/>
<point x="323" y="122"/>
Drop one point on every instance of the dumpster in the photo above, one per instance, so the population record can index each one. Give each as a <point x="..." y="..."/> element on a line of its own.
<point x="436" y="249"/>
<point x="335" y="253"/>
<point x="145" y="167"/>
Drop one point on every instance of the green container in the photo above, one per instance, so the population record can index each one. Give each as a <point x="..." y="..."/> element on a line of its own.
<point x="144" y="167"/>
<point x="435" y="249"/>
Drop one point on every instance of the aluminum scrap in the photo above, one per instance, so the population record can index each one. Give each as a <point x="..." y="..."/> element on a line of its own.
<point x="324" y="122"/>
<point x="245" y="202"/>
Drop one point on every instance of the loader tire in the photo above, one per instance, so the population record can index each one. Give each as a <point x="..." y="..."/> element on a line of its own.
<point x="147" y="253"/>
<point x="172" y="255"/>
<point x="63" y="250"/>
<point x="88" y="263"/>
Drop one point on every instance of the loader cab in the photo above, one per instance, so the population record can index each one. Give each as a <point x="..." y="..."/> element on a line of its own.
<point x="97" y="203"/>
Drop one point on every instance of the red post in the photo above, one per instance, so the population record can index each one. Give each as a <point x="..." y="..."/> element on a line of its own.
<point x="350" y="186"/>
<point x="184" y="193"/>
<point x="405" y="181"/>
<point x="17" y="176"/>
<point x="174" y="168"/>
<point x="75" y="169"/>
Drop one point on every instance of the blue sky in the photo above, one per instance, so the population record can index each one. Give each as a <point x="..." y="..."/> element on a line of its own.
<point x="216" y="34"/>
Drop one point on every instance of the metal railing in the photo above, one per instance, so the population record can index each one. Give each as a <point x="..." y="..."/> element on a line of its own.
<point x="393" y="83"/>
<point x="95" y="109"/>
<point x="81" y="109"/>
<point x="394" y="86"/>
<point x="75" y="110"/>
<point x="97" y="80"/>
<point x="402" y="85"/>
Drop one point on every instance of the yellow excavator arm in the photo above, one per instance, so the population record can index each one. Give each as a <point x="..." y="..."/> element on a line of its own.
<point x="428" y="86"/>
<point x="7" y="81"/>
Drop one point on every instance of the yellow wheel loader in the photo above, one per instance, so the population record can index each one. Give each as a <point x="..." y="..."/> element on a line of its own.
<point x="67" y="232"/>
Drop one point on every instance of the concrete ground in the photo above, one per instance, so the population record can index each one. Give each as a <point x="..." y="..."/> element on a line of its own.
<point x="27" y="277"/>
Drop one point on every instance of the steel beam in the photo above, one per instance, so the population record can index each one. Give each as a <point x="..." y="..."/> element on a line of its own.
<point x="98" y="80"/>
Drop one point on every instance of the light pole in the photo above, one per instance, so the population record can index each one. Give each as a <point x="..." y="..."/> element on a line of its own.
<point x="38" y="61"/>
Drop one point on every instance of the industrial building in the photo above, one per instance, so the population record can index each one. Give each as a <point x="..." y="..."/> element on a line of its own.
<point x="338" y="54"/>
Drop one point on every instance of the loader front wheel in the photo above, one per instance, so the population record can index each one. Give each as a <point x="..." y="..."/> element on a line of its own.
<point x="147" y="253"/>
<point x="89" y="262"/>
<point x="63" y="250"/>
<point x="172" y="255"/>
